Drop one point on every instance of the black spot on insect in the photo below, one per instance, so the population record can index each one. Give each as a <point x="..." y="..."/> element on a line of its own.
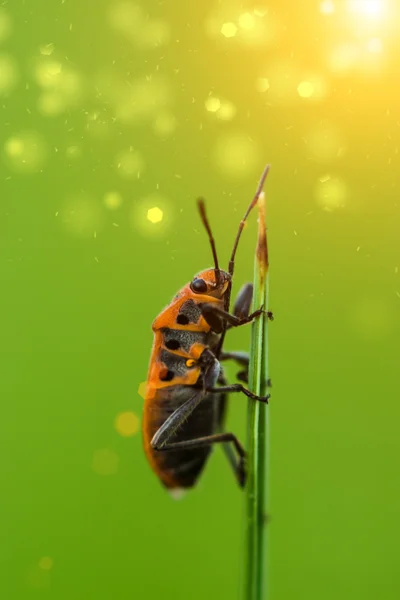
<point x="182" y="320"/>
<point x="190" y="311"/>
<point x="167" y="375"/>
<point x="172" y="344"/>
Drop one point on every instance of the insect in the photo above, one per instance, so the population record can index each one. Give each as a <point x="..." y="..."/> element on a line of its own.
<point x="186" y="394"/>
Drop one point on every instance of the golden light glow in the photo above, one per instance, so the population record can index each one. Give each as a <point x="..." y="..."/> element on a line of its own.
<point x="155" y="215"/>
<point x="247" y="21"/>
<point x="262" y="84"/>
<point x="164" y="124"/>
<point x="51" y="104"/>
<point x="330" y="193"/>
<point x="325" y="142"/>
<point x="212" y="104"/>
<point x="375" y="45"/>
<point x="345" y="57"/>
<point x="227" y="111"/>
<point x="229" y="30"/>
<point x="305" y="89"/>
<point x="151" y="215"/>
<point x="134" y="24"/>
<point x="327" y="7"/>
<point x="112" y="200"/>
<point x="14" y="146"/>
<point x="127" y="424"/>
<point x="26" y="152"/>
<point x="367" y="8"/>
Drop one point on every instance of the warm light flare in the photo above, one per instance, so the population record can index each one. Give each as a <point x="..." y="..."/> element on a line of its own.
<point x="367" y="8"/>
<point x="327" y="7"/>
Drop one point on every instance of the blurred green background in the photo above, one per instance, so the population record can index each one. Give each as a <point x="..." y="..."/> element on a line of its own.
<point x="115" y="115"/>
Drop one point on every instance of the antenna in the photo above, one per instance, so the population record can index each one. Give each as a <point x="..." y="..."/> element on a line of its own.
<point x="202" y="209"/>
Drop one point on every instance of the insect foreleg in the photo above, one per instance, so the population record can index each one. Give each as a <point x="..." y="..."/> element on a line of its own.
<point x="216" y="317"/>
<point x="238" y="387"/>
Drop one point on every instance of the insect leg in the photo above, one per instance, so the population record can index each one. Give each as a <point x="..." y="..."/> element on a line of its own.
<point x="217" y="438"/>
<point x="175" y="420"/>
<point x="243" y="300"/>
<point x="242" y="358"/>
<point x="216" y="317"/>
<point x="238" y="387"/>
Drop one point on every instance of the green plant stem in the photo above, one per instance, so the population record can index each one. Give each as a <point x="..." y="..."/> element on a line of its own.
<point x="255" y="568"/>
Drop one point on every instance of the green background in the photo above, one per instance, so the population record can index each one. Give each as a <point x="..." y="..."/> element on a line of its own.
<point x="100" y="98"/>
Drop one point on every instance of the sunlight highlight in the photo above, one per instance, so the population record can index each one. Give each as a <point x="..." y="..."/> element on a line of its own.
<point x="367" y="8"/>
<point x="327" y="7"/>
<point x="229" y="30"/>
<point x="155" y="215"/>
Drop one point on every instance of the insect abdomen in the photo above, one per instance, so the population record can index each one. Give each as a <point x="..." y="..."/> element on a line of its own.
<point x="180" y="468"/>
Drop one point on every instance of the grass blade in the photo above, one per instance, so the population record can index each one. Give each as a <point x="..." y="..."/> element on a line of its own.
<point x="255" y="574"/>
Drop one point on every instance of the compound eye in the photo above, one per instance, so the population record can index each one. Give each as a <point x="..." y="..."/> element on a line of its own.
<point x="198" y="286"/>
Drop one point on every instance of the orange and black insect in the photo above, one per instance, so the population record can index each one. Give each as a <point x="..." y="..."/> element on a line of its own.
<point x="186" y="393"/>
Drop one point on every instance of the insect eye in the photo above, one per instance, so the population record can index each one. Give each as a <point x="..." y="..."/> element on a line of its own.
<point x="198" y="286"/>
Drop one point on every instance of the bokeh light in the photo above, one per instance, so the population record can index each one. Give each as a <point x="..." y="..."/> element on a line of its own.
<point x="164" y="124"/>
<point x="155" y="215"/>
<point x="327" y="7"/>
<point x="212" y="104"/>
<point x="105" y="462"/>
<point x="139" y="28"/>
<point x="305" y="89"/>
<point x="330" y="193"/>
<point x="151" y="215"/>
<point x="262" y="84"/>
<point x="236" y="155"/>
<point x="325" y="143"/>
<point x="8" y="74"/>
<point x="227" y="111"/>
<point x="367" y="8"/>
<point x="25" y="152"/>
<point x="5" y="24"/>
<point x="129" y="163"/>
<point x="247" y="21"/>
<point x="229" y="30"/>
<point x="82" y="215"/>
<point x="61" y="85"/>
<point x="112" y="200"/>
<point x="127" y="423"/>
<point x="46" y="563"/>
<point x="375" y="45"/>
<point x="283" y="79"/>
